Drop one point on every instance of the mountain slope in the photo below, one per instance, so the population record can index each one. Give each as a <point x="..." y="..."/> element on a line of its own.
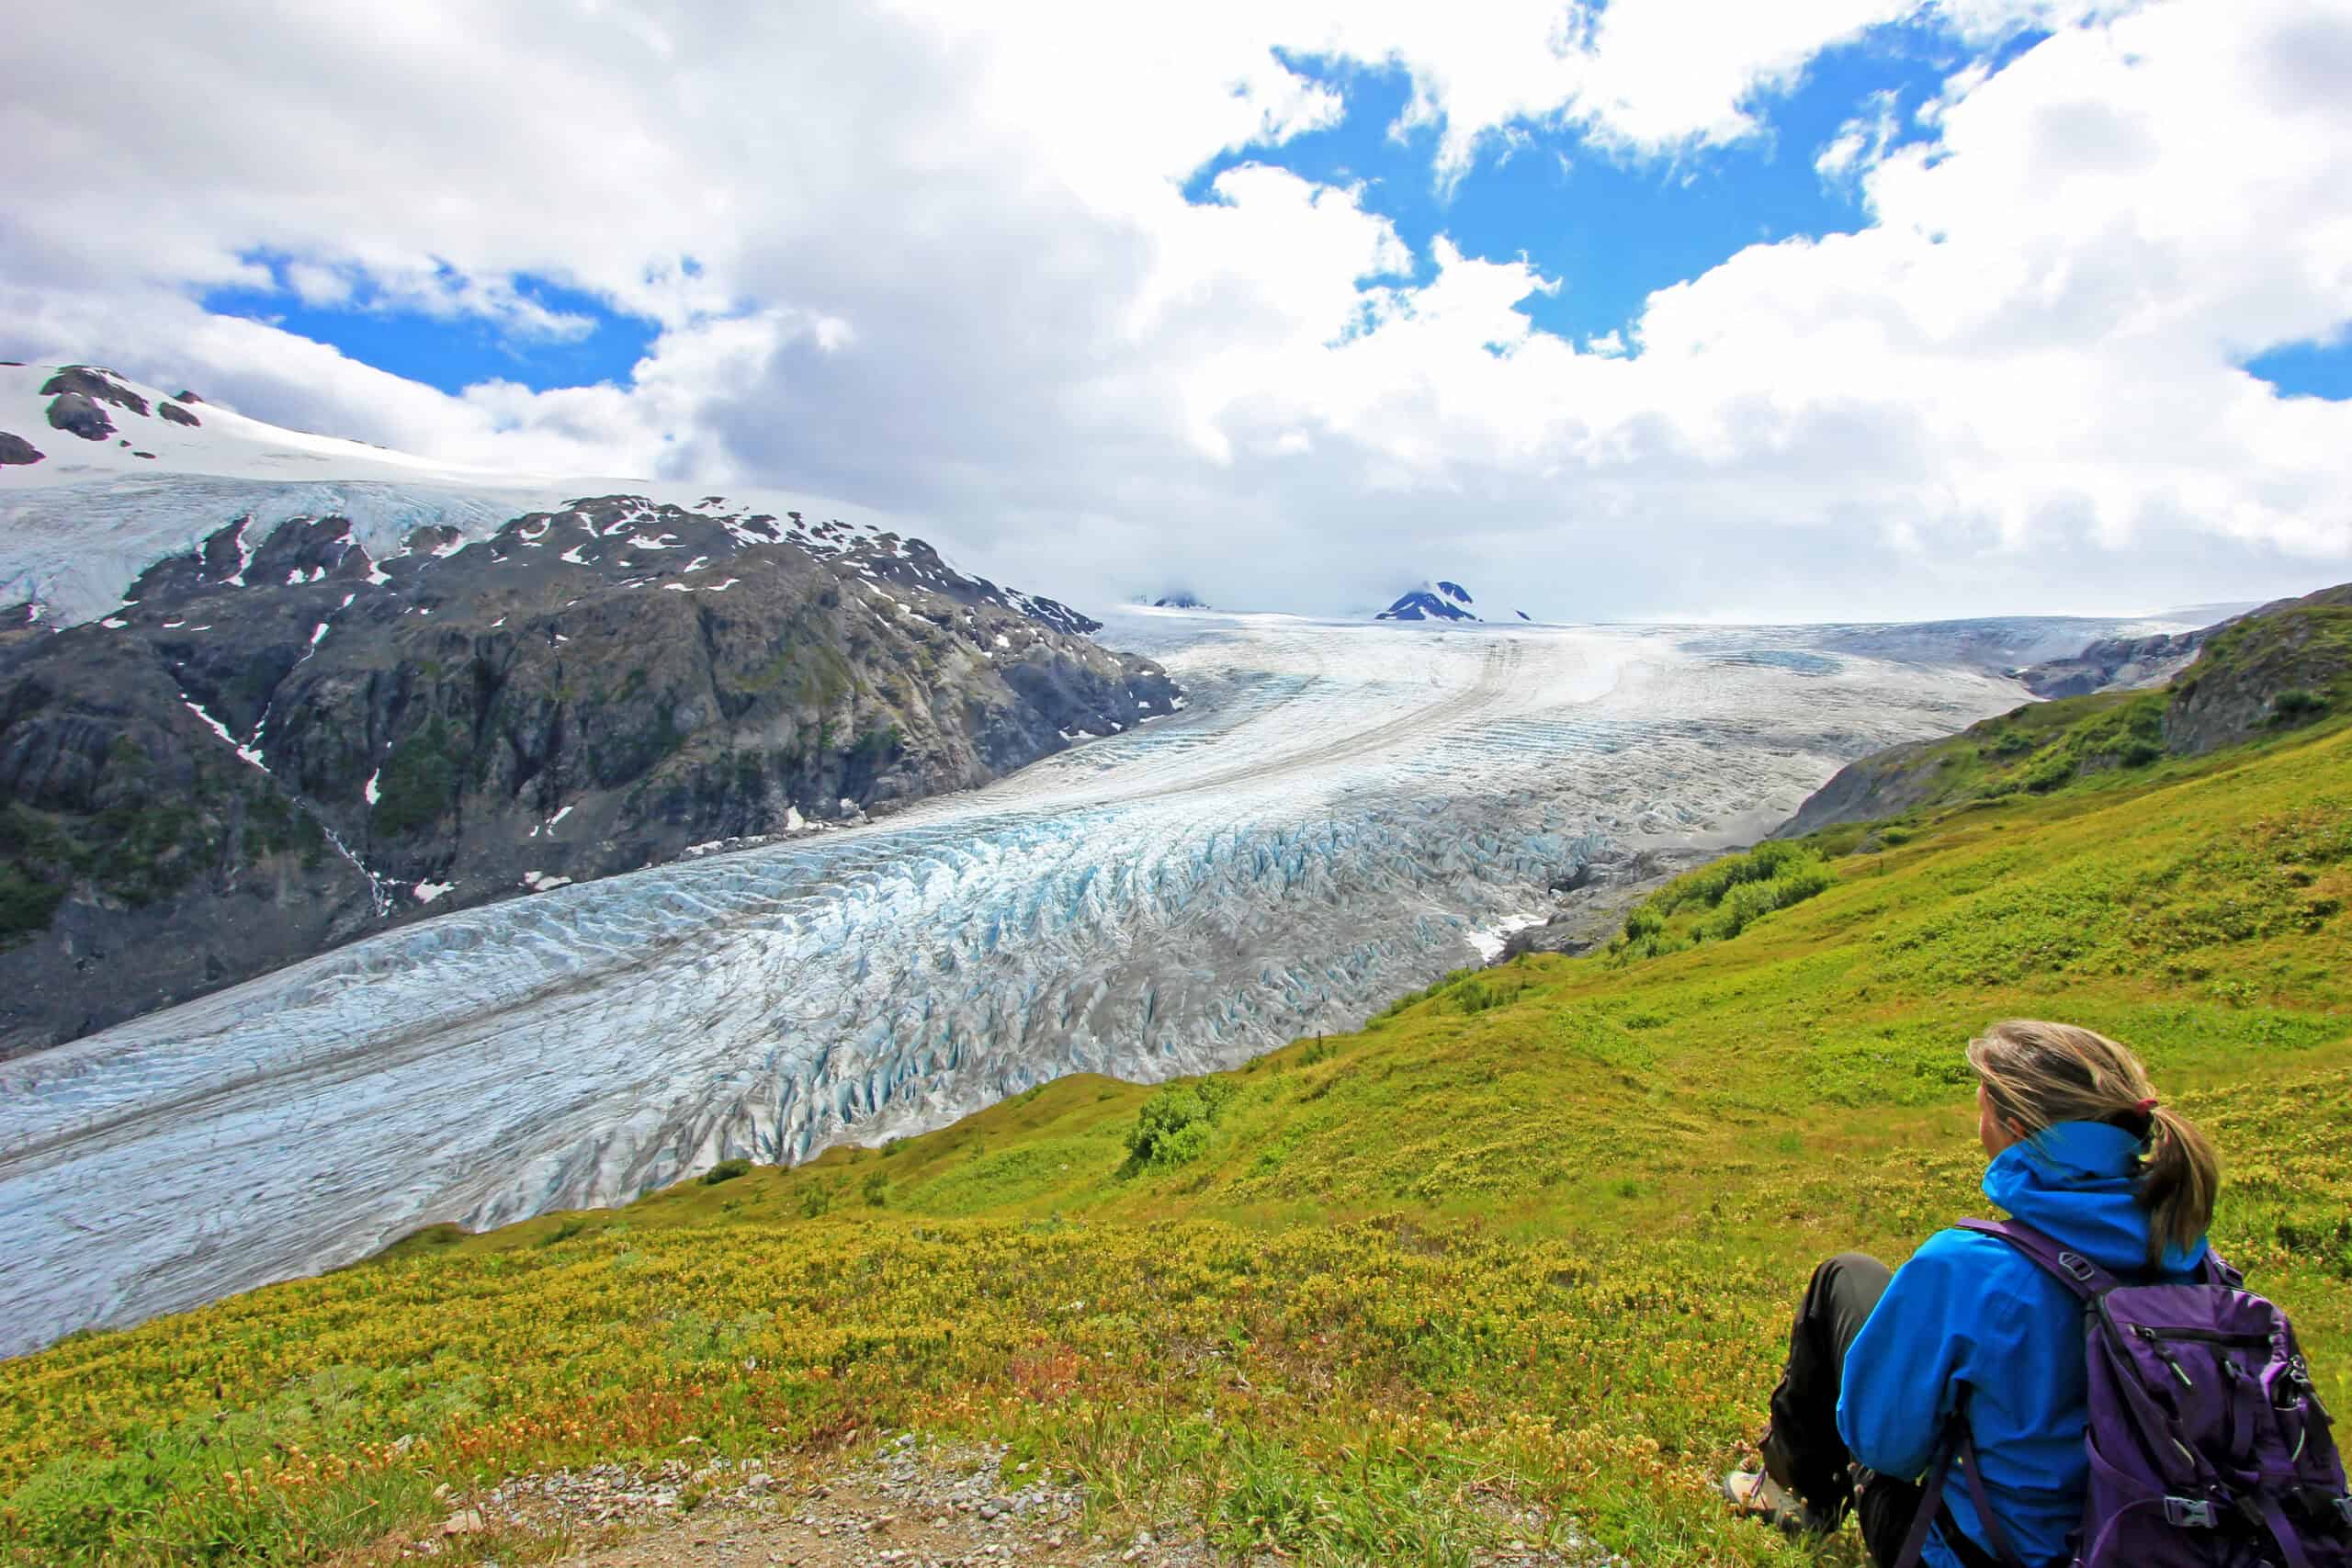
<point x="284" y="734"/>
<point x="2280" y="667"/>
<point x="1513" y="1262"/>
<point x="1431" y="602"/>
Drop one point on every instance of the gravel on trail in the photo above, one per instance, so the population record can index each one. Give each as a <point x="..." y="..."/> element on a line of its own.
<point x="908" y="1504"/>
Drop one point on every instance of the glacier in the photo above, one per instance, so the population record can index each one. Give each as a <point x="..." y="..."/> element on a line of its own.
<point x="1343" y="813"/>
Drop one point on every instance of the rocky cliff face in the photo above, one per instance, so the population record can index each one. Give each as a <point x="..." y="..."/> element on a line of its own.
<point x="2115" y="664"/>
<point x="1884" y="784"/>
<point x="2287" y="663"/>
<point x="278" y="742"/>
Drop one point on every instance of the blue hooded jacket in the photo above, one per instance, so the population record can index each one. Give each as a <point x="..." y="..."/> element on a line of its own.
<point x="1970" y="1311"/>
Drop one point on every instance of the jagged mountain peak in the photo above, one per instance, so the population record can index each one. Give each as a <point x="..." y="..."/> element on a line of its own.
<point x="1434" y="601"/>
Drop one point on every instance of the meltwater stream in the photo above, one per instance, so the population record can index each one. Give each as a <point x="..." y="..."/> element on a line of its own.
<point x="1343" y="809"/>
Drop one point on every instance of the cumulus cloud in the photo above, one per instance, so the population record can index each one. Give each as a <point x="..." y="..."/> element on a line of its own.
<point x="938" y="259"/>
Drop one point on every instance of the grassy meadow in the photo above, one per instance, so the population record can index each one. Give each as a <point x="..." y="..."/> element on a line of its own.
<point x="1529" y="1239"/>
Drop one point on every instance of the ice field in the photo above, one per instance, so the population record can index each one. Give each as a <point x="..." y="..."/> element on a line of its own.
<point x="1344" y="814"/>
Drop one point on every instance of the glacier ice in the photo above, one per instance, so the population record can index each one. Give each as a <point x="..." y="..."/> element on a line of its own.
<point x="1343" y="813"/>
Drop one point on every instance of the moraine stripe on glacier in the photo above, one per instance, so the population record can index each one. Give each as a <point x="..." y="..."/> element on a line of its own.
<point x="1344" y="809"/>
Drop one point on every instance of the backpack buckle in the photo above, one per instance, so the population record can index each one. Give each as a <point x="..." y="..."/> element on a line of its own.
<point x="2190" y="1513"/>
<point x="2074" y="1263"/>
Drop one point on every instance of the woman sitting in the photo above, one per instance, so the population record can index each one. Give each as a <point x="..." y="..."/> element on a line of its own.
<point x="2082" y="1151"/>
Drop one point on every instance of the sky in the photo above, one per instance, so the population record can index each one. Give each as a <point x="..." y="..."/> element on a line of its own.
<point x="1642" y="309"/>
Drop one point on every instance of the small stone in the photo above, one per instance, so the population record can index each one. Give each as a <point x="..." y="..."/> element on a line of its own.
<point x="463" y="1522"/>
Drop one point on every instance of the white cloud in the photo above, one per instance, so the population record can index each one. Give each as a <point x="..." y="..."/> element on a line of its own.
<point x="945" y="266"/>
<point x="1861" y="142"/>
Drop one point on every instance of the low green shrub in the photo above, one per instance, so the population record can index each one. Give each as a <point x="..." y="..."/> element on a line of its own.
<point x="1172" y="1127"/>
<point x="1721" y="899"/>
<point x="2295" y="706"/>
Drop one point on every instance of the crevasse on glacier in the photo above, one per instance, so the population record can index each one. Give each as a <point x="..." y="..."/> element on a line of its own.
<point x="1344" y="807"/>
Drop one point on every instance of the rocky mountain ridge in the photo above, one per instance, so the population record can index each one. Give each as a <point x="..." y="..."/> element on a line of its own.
<point x="279" y="739"/>
<point x="1431" y="602"/>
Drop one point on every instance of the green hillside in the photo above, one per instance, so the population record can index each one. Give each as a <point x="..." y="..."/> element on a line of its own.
<point x="1529" y="1239"/>
<point x="2279" y="669"/>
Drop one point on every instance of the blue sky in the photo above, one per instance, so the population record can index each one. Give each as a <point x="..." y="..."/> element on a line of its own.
<point x="454" y="349"/>
<point x="1610" y="229"/>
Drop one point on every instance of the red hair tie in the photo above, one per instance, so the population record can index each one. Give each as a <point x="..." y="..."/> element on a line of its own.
<point x="2147" y="1105"/>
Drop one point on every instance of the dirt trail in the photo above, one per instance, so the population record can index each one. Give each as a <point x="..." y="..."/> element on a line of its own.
<point x="908" y="1505"/>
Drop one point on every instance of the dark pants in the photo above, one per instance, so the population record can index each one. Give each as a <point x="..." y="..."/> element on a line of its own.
<point x="1804" y="1453"/>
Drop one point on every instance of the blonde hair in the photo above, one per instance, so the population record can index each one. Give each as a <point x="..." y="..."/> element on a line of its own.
<point x="2040" y="1074"/>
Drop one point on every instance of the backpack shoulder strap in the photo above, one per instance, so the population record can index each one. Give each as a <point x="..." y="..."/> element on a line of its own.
<point x="2069" y="1268"/>
<point x="2078" y="1273"/>
<point x="1955" y="1448"/>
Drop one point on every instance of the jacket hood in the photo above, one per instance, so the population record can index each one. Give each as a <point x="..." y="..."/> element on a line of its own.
<point x="2072" y="1183"/>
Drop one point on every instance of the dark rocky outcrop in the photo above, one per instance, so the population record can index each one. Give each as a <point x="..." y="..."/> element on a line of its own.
<point x="98" y="385"/>
<point x="278" y="743"/>
<point x="177" y="415"/>
<point x="2115" y="664"/>
<point x="1431" y="602"/>
<point x="1593" y="899"/>
<point x="2286" y="665"/>
<point x="16" y="449"/>
<point x="76" y="414"/>
<point x="1884" y="784"/>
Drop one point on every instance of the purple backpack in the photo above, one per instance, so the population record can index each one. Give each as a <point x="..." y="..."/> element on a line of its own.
<point x="2208" y="1448"/>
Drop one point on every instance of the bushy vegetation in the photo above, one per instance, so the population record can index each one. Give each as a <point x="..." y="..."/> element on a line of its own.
<point x="1722" y="898"/>
<point x="725" y="1170"/>
<point x="2297" y="704"/>
<point x="1174" y="1126"/>
<point x="2044" y="747"/>
<point x="27" y="903"/>
<point x="1536" y="1255"/>
<point x="418" y="784"/>
<point x="128" y="854"/>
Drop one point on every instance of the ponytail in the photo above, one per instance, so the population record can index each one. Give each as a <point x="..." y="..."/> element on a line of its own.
<point x="2041" y="1074"/>
<point x="2178" y="1177"/>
